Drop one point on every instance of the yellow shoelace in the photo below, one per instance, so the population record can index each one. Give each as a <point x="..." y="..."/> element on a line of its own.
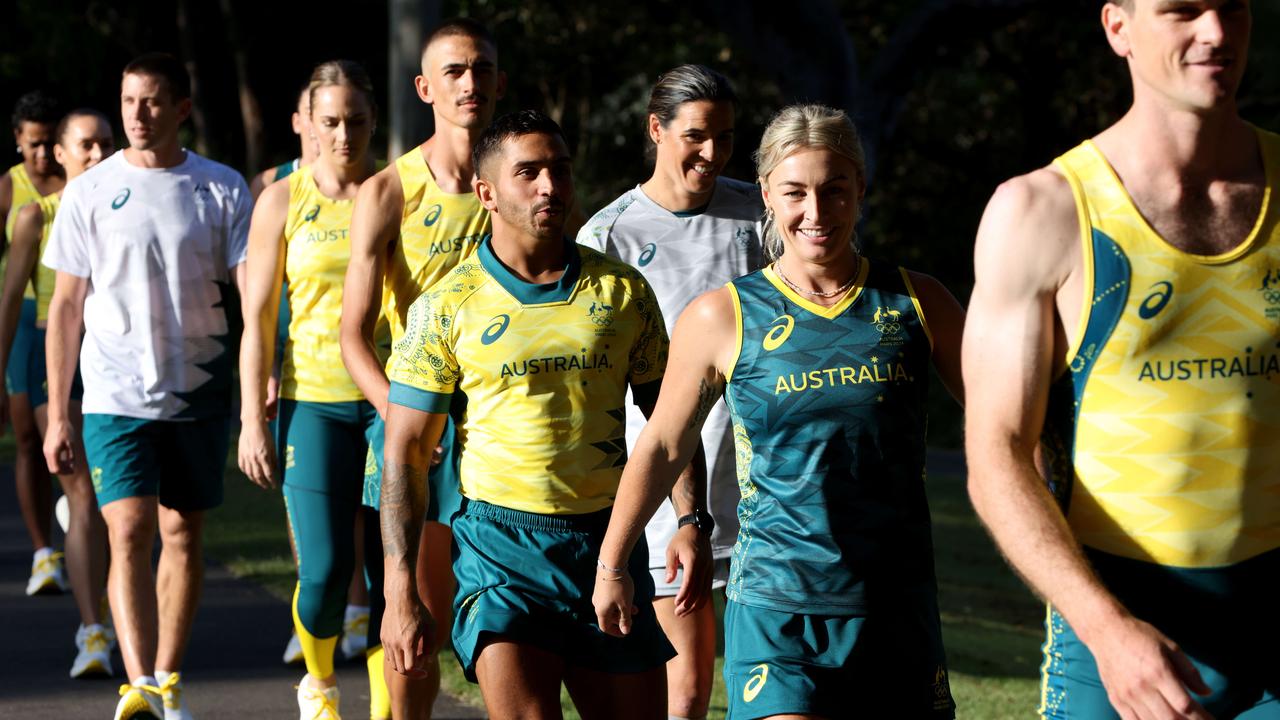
<point x="97" y="642"/>
<point x="326" y="709"/>
<point x="48" y="563"/>
<point x="168" y="690"/>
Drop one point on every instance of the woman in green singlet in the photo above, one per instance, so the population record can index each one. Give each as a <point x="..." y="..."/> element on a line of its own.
<point x="823" y="358"/>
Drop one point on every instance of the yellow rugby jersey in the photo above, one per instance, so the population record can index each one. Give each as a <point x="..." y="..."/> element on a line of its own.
<point x="24" y="191"/>
<point x="544" y="369"/>
<point x="1163" y="437"/>
<point x="438" y="230"/>
<point x="317" y="251"/>
<point x="43" y="276"/>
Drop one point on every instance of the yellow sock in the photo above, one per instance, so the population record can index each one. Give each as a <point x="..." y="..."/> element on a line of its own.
<point x="379" y="696"/>
<point x="317" y="652"/>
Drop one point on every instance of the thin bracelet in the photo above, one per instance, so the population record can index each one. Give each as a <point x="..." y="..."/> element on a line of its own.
<point x="606" y="568"/>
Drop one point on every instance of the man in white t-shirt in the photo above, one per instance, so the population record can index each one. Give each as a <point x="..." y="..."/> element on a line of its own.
<point x="147" y="246"/>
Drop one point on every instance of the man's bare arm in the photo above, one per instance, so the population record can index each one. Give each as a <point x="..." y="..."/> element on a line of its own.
<point x="406" y="626"/>
<point x="1026" y="248"/>
<point x="375" y="224"/>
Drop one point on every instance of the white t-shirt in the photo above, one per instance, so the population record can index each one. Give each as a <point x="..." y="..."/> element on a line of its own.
<point x="162" y="315"/>
<point x="684" y="255"/>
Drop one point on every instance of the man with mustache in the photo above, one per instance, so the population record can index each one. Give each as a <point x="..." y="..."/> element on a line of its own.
<point x="1122" y="342"/>
<point x="543" y="337"/>
<point x="412" y="223"/>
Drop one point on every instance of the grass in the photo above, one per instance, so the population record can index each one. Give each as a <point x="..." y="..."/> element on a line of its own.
<point x="991" y="624"/>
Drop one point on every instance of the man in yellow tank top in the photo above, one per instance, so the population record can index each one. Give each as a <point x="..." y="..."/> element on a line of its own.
<point x="35" y="116"/>
<point x="413" y="222"/>
<point x="1133" y="291"/>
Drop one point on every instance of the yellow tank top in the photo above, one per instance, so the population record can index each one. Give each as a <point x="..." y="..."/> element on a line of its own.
<point x="44" y="276"/>
<point x="438" y="230"/>
<point x="24" y="191"/>
<point x="1163" y="437"/>
<point x="317" y="251"/>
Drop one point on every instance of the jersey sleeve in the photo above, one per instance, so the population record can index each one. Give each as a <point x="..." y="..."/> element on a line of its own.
<point x="424" y="369"/>
<point x="648" y="357"/>
<point x="241" y="213"/>
<point x="68" y="247"/>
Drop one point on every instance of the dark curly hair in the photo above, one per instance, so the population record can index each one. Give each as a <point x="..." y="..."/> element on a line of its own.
<point x="36" y="106"/>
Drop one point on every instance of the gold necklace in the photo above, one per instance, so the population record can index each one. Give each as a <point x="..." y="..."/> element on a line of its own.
<point x="777" y="267"/>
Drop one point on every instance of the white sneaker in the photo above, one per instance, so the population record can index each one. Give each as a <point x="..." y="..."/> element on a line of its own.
<point x="317" y="704"/>
<point x="355" y="633"/>
<point x="293" y="651"/>
<point x="138" y="702"/>
<point x="175" y="708"/>
<point x="47" y="574"/>
<point x="93" y="656"/>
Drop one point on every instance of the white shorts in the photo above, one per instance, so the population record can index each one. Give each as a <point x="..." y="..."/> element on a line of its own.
<point x="661" y="588"/>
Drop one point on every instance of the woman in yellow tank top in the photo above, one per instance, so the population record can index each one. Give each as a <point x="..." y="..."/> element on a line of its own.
<point x="83" y="139"/>
<point x="300" y="237"/>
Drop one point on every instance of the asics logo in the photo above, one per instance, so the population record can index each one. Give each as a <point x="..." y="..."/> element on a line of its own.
<point x="312" y="214"/>
<point x="779" y="333"/>
<point x="756" y="683"/>
<point x="646" y="256"/>
<point x="433" y="214"/>
<point x="121" y="199"/>
<point x="497" y="326"/>
<point x="1155" y="302"/>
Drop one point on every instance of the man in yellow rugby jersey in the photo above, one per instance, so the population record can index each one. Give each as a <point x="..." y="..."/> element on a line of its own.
<point x="412" y="223"/>
<point x="1122" y="342"/>
<point x="543" y="337"/>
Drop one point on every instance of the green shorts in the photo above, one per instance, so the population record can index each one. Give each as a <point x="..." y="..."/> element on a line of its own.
<point x="529" y="577"/>
<point x="19" y="370"/>
<point x="890" y="664"/>
<point x="446" y="495"/>
<point x="181" y="462"/>
<point x="1224" y="619"/>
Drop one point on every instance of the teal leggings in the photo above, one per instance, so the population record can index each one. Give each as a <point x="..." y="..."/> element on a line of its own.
<point x="322" y="447"/>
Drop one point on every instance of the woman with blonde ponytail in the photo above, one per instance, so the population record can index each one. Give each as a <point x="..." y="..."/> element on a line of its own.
<point x="824" y="360"/>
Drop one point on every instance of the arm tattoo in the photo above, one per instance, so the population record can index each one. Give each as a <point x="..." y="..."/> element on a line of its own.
<point x="404" y="504"/>
<point x="707" y="396"/>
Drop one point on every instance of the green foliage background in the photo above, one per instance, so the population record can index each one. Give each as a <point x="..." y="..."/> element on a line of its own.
<point x="952" y="96"/>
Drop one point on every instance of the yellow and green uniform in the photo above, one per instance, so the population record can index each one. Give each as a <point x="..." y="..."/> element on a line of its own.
<point x="438" y="230"/>
<point x="43" y="277"/>
<point x="1163" y="438"/>
<point x="22" y="365"/>
<point x="545" y="370"/>
<point x="832" y="597"/>
<point x="24" y="191"/>
<point x="325" y="423"/>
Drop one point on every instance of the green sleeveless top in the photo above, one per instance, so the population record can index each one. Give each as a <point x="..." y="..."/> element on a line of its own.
<point x="829" y="417"/>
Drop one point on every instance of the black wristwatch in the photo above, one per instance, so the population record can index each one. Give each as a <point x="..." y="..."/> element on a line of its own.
<point x="700" y="519"/>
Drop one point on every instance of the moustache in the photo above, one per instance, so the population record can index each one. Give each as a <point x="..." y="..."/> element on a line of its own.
<point x="476" y="98"/>
<point x="549" y="204"/>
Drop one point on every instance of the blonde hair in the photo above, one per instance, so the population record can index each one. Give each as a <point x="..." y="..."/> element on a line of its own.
<point x="341" y="72"/>
<point x="799" y="127"/>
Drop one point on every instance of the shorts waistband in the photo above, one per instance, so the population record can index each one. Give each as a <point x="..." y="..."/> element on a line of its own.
<point x="586" y="522"/>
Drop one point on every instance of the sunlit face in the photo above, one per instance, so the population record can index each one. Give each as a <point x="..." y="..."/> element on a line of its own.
<point x="460" y="79"/>
<point x="342" y="121"/>
<point x="85" y="142"/>
<point x="35" y="142"/>
<point x="694" y="147"/>
<point x="150" y="113"/>
<point x="815" y="195"/>
<point x="1192" y="53"/>
<point x="528" y="185"/>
